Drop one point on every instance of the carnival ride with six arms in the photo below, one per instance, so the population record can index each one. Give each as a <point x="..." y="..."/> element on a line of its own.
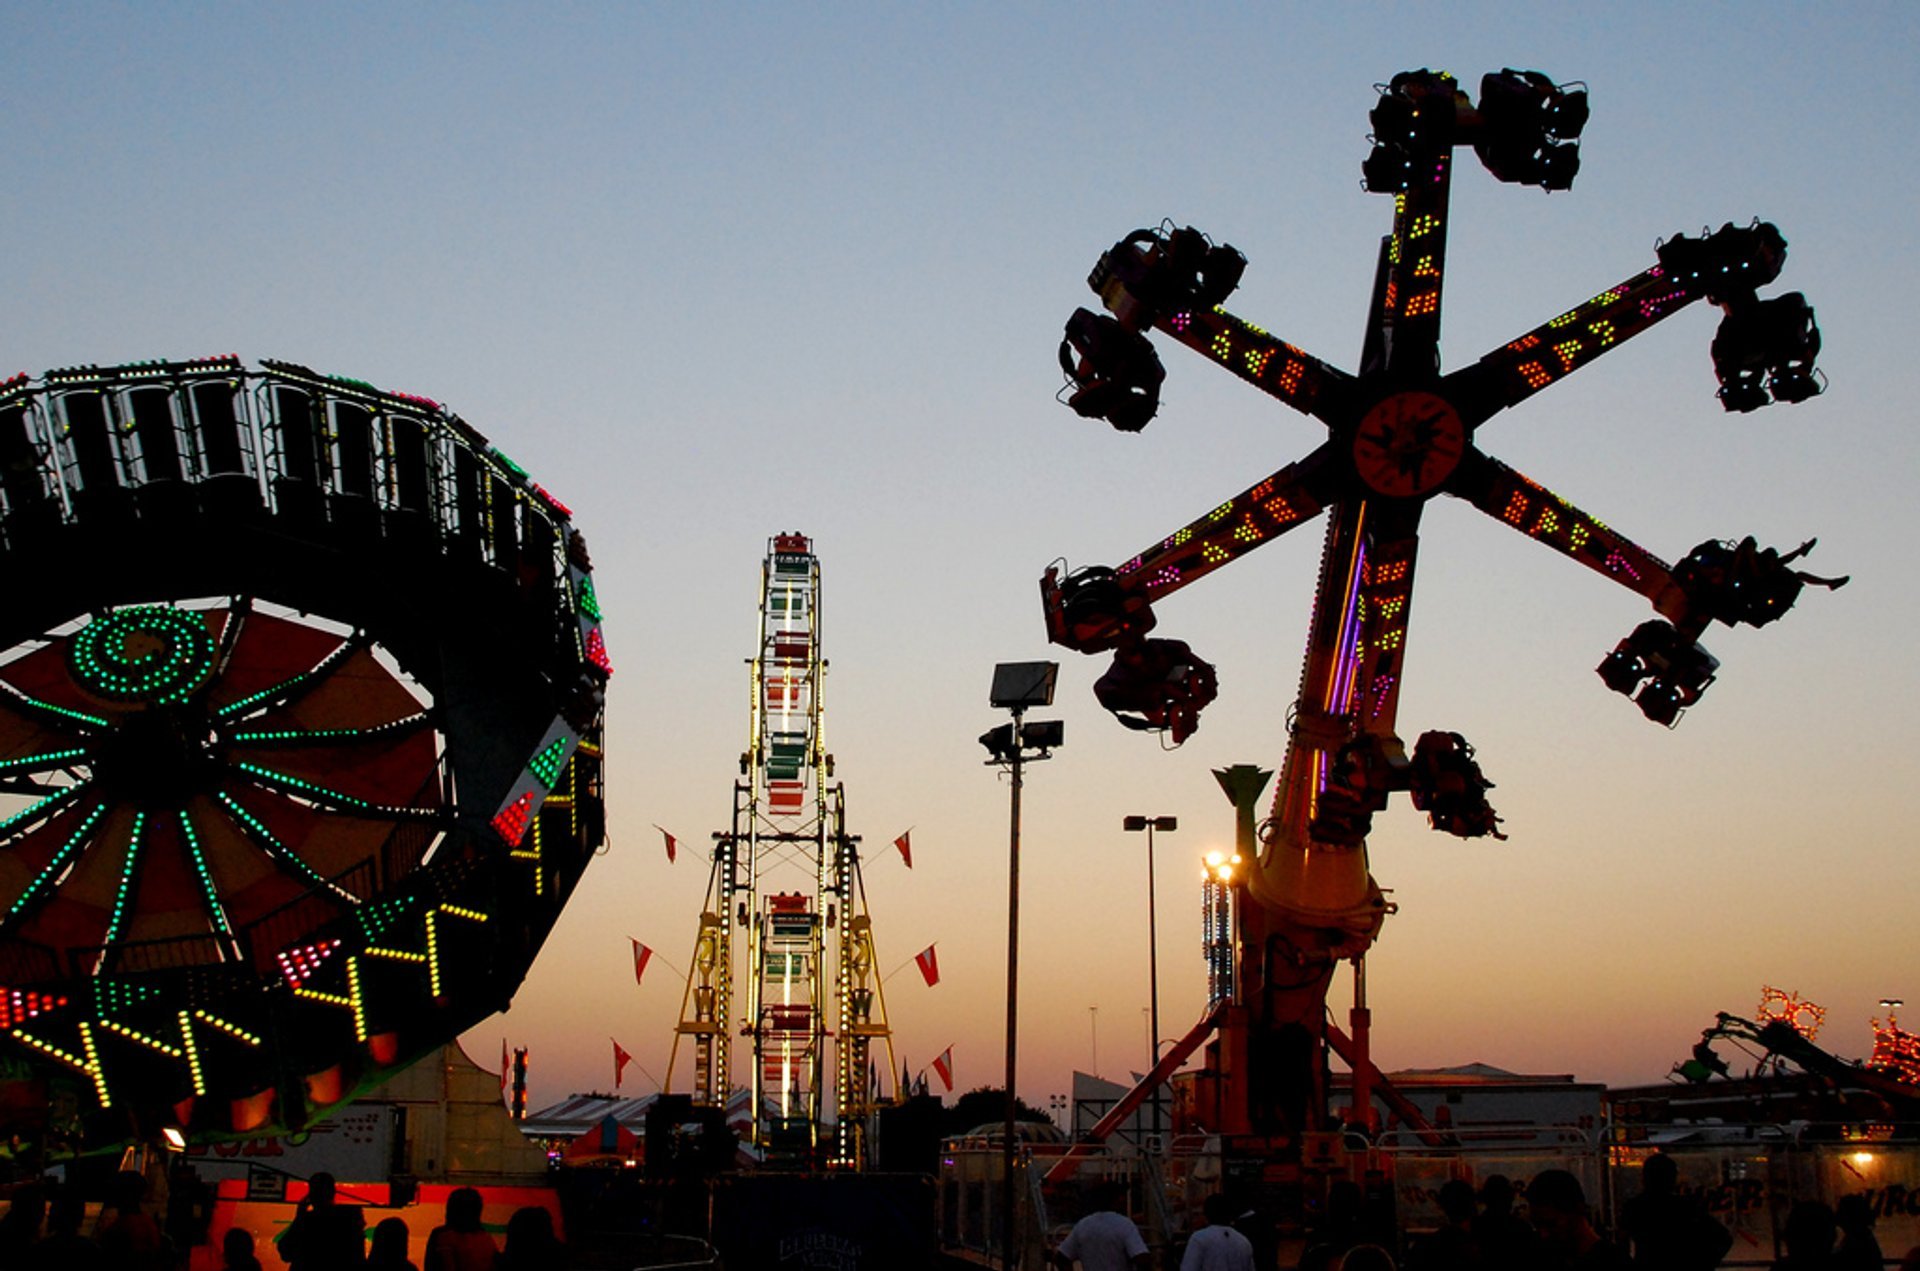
<point x="300" y="723"/>
<point x="1400" y="432"/>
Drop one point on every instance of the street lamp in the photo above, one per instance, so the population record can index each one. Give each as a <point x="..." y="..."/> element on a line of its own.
<point x="1016" y="687"/>
<point x="1135" y="824"/>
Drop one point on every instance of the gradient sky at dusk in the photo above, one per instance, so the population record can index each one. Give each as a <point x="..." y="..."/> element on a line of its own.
<point x="715" y="272"/>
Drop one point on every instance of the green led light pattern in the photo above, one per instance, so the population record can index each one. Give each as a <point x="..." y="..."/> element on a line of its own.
<point x="51" y="759"/>
<point x="146" y="653"/>
<point x="288" y="687"/>
<point x="203" y="875"/>
<point x="261" y="835"/>
<point x="129" y="872"/>
<point x="113" y="996"/>
<point x="546" y="765"/>
<point x="377" y="916"/>
<point x="324" y="736"/>
<point x="35" y="704"/>
<point x="321" y="794"/>
<point x="56" y="867"/>
<point x="38" y="811"/>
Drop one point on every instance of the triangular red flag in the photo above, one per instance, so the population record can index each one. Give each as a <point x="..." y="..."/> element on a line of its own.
<point x="672" y="846"/>
<point x="620" y="1061"/>
<point x="640" y="955"/>
<point x="943" y="1065"/>
<point x="904" y="843"/>
<point x="929" y="963"/>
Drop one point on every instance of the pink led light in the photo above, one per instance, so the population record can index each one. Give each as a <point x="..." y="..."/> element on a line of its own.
<point x="299" y="964"/>
<point x="597" y="651"/>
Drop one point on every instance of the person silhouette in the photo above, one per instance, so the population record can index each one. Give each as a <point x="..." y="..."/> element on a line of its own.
<point x="1669" y="1231"/>
<point x="1808" y="1237"/>
<point x="1507" y="1241"/>
<point x="324" y="1235"/>
<point x="460" y="1243"/>
<point x="1559" y="1207"/>
<point x="389" y="1249"/>
<point x="1859" y="1250"/>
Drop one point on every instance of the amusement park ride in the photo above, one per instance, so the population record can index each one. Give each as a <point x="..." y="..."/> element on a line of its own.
<point x="806" y="956"/>
<point x="300" y="724"/>
<point x="1400" y="433"/>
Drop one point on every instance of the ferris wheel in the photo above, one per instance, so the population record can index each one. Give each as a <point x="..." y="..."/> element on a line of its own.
<point x="786" y="899"/>
<point x="300" y="703"/>
<point x="1400" y="433"/>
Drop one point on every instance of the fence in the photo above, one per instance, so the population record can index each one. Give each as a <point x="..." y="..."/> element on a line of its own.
<point x="1748" y="1177"/>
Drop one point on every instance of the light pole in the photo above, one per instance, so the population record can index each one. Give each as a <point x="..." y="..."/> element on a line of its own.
<point x="1150" y="824"/>
<point x="1017" y="686"/>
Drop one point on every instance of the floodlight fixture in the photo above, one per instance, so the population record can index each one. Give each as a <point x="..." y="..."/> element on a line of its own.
<point x="1018" y="685"/>
<point x="1043" y="734"/>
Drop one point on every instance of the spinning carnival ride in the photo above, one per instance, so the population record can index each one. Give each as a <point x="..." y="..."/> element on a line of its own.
<point x="808" y="957"/>
<point x="1400" y="433"/>
<point x="300" y="717"/>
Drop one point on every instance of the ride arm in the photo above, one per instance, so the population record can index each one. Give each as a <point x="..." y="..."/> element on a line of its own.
<point x="1271" y="365"/>
<point x="1288" y="498"/>
<point x="1514" y="500"/>
<point x="1781" y="1038"/>
<point x="1176" y="281"/>
<point x="1522" y="367"/>
<point x="1404" y="334"/>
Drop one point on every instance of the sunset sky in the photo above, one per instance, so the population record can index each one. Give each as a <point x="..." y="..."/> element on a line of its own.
<point x="715" y="272"/>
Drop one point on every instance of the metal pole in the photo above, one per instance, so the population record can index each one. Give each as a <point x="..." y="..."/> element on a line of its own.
<point x="1153" y="970"/>
<point x="1008" y="1194"/>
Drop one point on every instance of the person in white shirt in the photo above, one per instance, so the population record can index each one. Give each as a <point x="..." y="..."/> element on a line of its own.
<point x="1106" y="1239"/>
<point x="1217" y="1246"/>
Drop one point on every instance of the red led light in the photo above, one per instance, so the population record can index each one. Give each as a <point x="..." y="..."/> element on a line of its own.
<point x="512" y="821"/>
<point x="20" y="1005"/>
